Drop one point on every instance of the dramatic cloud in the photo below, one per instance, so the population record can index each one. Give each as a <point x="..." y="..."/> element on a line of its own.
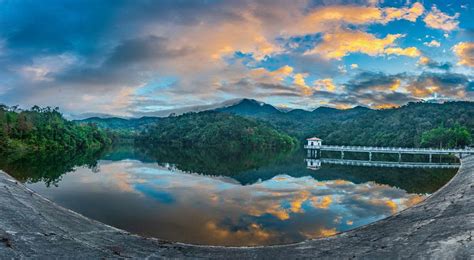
<point x="339" y="44"/>
<point x="323" y="18"/>
<point x="444" y="84"/>
<point x="465" y="53"/>
<point x="380" y="90"/>
<point x="366" y="81"/>
<point x="138" y="57"/>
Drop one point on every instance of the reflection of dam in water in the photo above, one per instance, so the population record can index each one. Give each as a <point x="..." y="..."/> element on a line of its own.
<point x="315" y="163"/>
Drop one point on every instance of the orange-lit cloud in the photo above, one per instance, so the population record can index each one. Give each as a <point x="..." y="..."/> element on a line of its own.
<point x="424" y="60"/>
<point x="413" y="200"/>
<point x="410" y="14"/>
<point x="253" y="235"/>
<point x="395" y="85"/>
<point x="410" y="52"/>
<point x="439" y="20"/>
<point x="343" y="42"/>
<point x="325" y="84"/>
<point x="321" y="232"/>
<point x="392" y="205"/>
<point x="447" y="84"/>
<point x="300" y="82"/>
<point x="298" y="201"/>
<point x="322" y="203"/>
<point x="465" y="53"/>
<point x="344" y="106"/>
<point x="324" y="18"/>
<point x="276" y="76"/>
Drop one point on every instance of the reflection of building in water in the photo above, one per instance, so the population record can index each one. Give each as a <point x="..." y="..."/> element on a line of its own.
<point x="313" y="164"/>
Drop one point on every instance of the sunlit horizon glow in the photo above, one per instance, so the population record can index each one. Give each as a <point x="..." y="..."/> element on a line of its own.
<point x="134" y="58"/>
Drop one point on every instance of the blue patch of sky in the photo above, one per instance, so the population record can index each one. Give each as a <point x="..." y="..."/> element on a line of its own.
<point x="285" y="204"/>
<point x="389" y="64"/>
<point x="300" y="44"/>
<point x="149" y="171"/>
<point x="246" y="59"/>
<point x="274" y="62"/>
<point x="413" y="31"/>
<point x="156" y="84"/>
<point x="151" y="192"/>
<point x="470" y="86"/>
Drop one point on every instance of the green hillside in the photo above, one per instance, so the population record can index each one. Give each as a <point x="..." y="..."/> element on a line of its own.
<point x="213" y="129"/>
<point x="412" y="125"/>
<point x="41" y="129"/>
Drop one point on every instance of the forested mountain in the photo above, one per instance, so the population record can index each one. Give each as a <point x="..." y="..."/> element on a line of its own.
<point x="250" y="107"/>
<point x="412" y="125"/>
<point x="120" y="123"/>
<point x="39" y="129"/>
<point x="214" y="129"/>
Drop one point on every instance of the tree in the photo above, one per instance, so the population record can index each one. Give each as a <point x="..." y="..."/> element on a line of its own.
<point x="442" y="137"/>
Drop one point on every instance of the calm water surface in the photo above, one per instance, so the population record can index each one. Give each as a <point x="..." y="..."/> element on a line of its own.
<point x="205" y="197"/>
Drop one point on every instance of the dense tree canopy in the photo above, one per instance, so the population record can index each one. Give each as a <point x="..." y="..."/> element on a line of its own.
<point x="213" y="129"/>
<point x="248" y="124"/>
<point x="457" y="136"/>
<point x="403" y="126"/>
<point x="45" y="129"/>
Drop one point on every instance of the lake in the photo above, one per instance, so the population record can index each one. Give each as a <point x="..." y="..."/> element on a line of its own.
<point x="220" y="198"/>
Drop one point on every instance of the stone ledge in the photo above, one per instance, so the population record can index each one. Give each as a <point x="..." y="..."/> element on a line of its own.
<point x="441" y="227"/>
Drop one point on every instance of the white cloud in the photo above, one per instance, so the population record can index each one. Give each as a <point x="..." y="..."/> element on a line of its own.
<point x="432" y="43"/>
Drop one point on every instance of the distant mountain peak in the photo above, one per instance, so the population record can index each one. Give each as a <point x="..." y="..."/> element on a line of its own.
<point x="251" y="101"/>
<point x="249" y="107"/>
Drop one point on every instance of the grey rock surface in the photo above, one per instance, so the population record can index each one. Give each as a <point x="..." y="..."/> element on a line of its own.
<point x="441" y="227"/>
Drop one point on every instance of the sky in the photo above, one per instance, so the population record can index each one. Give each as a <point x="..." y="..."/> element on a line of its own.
<point x="137" y="57"/>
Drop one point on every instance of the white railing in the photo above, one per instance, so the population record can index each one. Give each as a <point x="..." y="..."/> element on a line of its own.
<point x="468" y="150"/>
<point x="312" y="146"/>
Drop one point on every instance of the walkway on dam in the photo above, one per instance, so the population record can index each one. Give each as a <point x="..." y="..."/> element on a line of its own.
<point x="403" y="150"/>
<point x="441" y="227"/>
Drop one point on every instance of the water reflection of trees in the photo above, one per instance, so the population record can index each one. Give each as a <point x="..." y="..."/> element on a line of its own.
<point x="214" y="161"/>
<point x="47" y="167"/>
<point x="246" y="167"/>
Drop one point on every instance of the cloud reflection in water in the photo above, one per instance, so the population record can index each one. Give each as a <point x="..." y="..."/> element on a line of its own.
<point x="154" y="201"/>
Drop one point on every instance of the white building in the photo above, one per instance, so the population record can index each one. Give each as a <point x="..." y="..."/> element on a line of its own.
<point x="314" y="142"/>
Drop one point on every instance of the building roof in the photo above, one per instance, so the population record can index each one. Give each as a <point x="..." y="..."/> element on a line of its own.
<point x="314" y="139"/>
